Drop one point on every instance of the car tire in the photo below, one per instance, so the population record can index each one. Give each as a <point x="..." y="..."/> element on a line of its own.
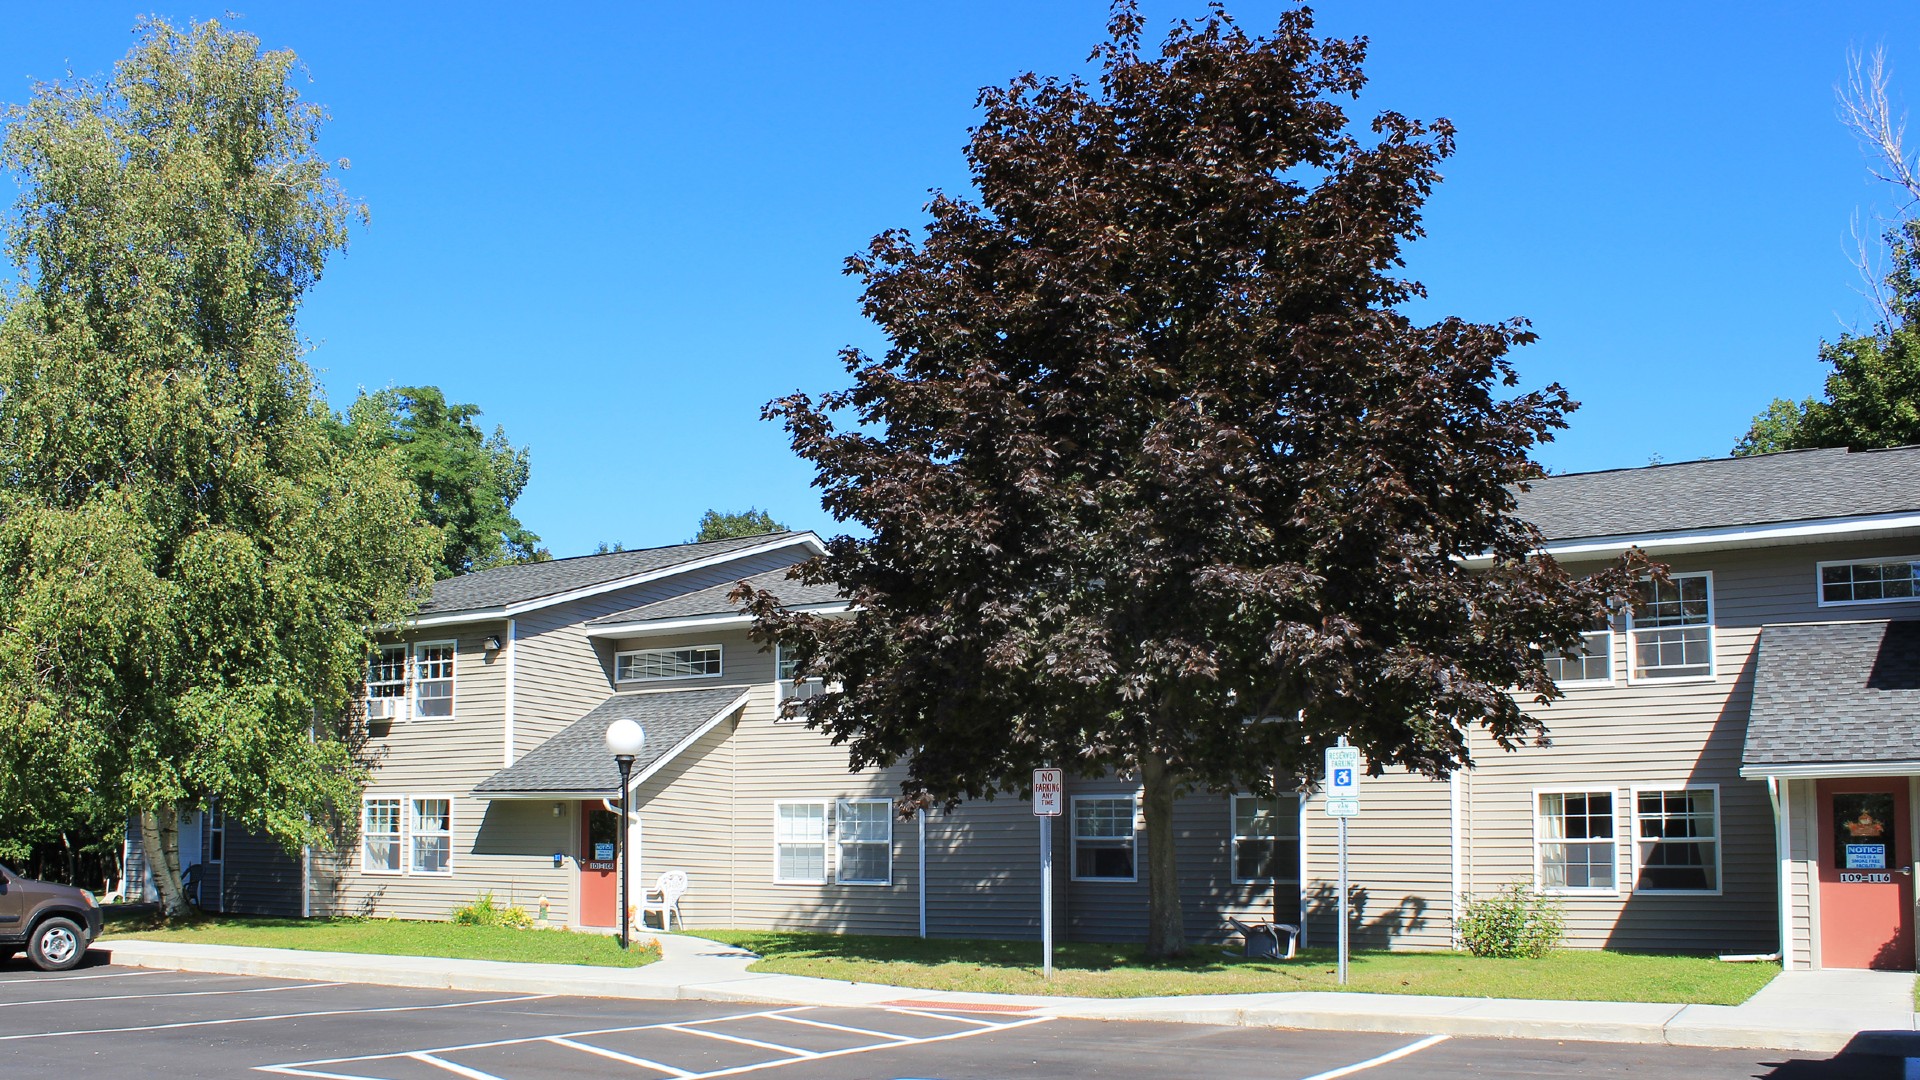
<point x="56" y="945"/>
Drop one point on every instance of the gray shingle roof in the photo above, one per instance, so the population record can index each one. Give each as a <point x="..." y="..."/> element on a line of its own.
<point x="1836" y="692"/>
<point x="1801" y="485"/>
<point x="575" y="761"/>
<point x="532" y="581"/>
<point x="713" y="600"/>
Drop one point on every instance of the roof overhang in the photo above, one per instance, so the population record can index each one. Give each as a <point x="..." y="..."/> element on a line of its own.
<point x="1738" y="536"/>
<point x="716" y="621"/>
<point x="641" y="777"/>
<point x="503" y="611"/>
<point x="1830" y="770"/>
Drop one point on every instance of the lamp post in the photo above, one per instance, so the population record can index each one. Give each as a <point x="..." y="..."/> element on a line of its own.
<point x="624" y="741"/>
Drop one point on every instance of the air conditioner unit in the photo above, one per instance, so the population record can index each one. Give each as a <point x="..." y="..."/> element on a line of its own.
<point x="387" y="708"/>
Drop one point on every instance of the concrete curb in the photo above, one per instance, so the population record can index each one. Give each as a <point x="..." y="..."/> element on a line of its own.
<point x="690" y="974"/>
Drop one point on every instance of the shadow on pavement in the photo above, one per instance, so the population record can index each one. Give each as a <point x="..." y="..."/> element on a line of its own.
<point x="1870" y="1055"/>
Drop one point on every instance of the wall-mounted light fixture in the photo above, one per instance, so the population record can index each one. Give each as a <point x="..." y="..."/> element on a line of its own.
<point x="493" y="642"/>
<point x="558" y="809"/>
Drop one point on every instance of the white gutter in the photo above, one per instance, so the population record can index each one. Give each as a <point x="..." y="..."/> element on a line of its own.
<point x="729" y="621"/>
<point x="1834" y="770"/>
<point x="513" y="658"/>
<point x="1724" y="537"/>
<point x="452" y="618"/>
<point x="1782" y="808"/>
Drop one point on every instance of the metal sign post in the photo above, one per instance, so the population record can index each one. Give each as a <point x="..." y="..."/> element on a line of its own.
<point x="1049" y="792"/>
<point x="1343" y="802"/>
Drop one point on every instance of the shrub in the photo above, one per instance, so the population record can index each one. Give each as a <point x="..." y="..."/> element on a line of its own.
<point x="484" y="912"/>
<point x="1516" y="921"/>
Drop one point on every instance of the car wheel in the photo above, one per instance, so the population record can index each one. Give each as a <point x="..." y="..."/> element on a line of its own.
<point x="56" y="945"/>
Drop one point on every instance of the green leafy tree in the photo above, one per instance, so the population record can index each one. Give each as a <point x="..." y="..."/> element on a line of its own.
<point x="189" y="563"/>
<point x="717" y="525"/>
<point x="467" y="481"/>
<point x="1155" y="475"/>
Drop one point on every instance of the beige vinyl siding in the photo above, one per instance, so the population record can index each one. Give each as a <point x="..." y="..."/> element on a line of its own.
<point x="685" y="813"/>
<point x="1802" y="876"/>
<point x="1399" y="866"/>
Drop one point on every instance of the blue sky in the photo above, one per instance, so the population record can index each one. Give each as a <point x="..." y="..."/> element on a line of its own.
<point x="619" y="228"/>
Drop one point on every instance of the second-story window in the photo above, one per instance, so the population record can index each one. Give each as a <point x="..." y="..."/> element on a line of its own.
<point x="1873" y="581"/>
<point x="787" y="686"/>
<point x="1593" y="663"/>
<point x="1670" y="631"/>
<point x="433" y="679"/>
<point x="387" y="683"/>
<point x="650" y="665"/>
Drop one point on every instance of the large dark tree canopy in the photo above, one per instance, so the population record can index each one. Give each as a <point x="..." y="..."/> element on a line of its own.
<point x="1157" y="474"/>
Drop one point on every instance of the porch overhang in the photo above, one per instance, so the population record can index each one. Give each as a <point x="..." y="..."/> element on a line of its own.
<point x="1835" y="700"/>
<point x="574" y="763"/>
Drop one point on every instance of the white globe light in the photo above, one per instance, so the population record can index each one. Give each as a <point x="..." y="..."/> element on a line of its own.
<point x="625" y="739"/>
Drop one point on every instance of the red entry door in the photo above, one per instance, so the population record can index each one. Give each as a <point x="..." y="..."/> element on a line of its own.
<point x="599" y="885"/>
<point x="1866" y="874"/>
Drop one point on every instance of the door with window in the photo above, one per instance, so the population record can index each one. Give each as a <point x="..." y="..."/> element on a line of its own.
<point x="599" y="883"/>
<point x="1866" y="874"/>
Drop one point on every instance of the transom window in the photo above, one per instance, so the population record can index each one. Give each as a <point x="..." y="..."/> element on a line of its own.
<point x="433" y="679"/>
<point x="1574" y="840"/>
<point x="863" y="832"/>
<point x="1677" y="837"/>
<point x="647" y="665"/>
<point x="380" y="836"/>
<point x="1266" y="839"/>
<point x="1592" y="664"/>
<point x="1869" y="582"/>
<point x="1103" y="837"/>
<point x="1670" y="633"/>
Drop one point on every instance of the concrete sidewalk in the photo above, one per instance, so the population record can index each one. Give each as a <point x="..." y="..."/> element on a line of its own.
<point x="1821" y="1011"/>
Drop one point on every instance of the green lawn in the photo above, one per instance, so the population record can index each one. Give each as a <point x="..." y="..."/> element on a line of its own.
<point x="392" y="936"/>
<point x="1117" y="971"/>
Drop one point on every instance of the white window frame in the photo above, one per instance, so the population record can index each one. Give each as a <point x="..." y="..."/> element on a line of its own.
<point x="719" y="653"/>
<point x="400" y="701"/>
<point x="1608" y="652"/>
<point x="398" y="836"/>
<point x="1541" y="840"/>
<point x="1074" y="837"/>
<point x="1234" y="839"/>
<point x="1820" y="587"/>
<point x="452" y="679"/>
<point x="415" y="834"/>
<point x="840" y="844"/>
<point x="1713" y="660"/>
<point x="216" y="834"/>
<point x="787" y="688"/>
<point x="826" y="841"/>
<point x="1718" y="839"/>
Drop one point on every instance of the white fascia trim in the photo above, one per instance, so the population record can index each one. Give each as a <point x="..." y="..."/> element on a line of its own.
<point x="1835" y="771"/>
<point x="450" y="618"/>
<point x="656" y="627"/>
<point x="1726" y="537"/>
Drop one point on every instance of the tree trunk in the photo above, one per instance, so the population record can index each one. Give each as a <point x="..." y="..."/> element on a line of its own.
<point x="1166" y="924"/>
<point x="160" y="842"/>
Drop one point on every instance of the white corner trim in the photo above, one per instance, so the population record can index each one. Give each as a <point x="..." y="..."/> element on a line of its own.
<point x="1724" y="537"/>
<point x="513" y="658"/>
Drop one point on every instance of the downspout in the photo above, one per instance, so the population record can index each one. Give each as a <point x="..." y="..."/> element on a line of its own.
<point x="513" y="657"/>
<point x="922" y="816"/>
<point x="1453" y="845"/>
<point x="1782" y="802"/>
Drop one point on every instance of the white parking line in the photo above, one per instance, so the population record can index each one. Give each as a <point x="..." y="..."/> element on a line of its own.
<point x="176" y="994"/>
<point x="34" y="980"/>
<point x="841" y="1027"/>
<point x="1391" y="1055"/>
<point x="279" y="1016"/>
<point x="324" y="1068"/>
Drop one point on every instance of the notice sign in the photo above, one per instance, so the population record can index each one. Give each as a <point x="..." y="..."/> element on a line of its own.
<point x="1049" y="792"/>
<point x="602" y="852"/>
<point x="1866" y="856"/>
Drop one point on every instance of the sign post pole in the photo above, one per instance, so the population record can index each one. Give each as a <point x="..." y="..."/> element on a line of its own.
<point x="1343" y="802"/>
<point x="1049" y="792"/>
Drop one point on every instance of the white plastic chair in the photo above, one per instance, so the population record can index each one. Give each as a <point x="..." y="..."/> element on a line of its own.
<point x="664" y="898"/>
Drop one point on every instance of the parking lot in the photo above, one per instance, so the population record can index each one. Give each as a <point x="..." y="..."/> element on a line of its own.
<point x="107" y="1021"/>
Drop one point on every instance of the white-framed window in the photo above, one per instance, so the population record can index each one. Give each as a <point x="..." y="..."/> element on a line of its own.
<point x="216" y="834"/>
<point x="1869" y="581"/>
<point x="1574" y="845"/>
<point x="1670" y="629"/>
<point x="380" y="834"/>
<point x="433" y="678"/>
<point x="1266" y="839"/>
<point x="387" y="683"/>
<point x="863" y="838"/>
<point x="800" y="842"/>
<point x="1591" y="666"/>
<point x="431" y="843"/>
<point x="1676" y="839"/>
<point x="786" y="687"/>
<point x="651" y="665"/>
<point x="1103" y="831"/>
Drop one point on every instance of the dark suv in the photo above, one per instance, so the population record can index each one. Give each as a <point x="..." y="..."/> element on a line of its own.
<point x="53" y="923"/>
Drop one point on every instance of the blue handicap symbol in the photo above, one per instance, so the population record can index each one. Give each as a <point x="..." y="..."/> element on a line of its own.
<point x="1343" y="778"/>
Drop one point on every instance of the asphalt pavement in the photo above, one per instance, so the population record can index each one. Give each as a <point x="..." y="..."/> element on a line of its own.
<point x="102" y="1020"/>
